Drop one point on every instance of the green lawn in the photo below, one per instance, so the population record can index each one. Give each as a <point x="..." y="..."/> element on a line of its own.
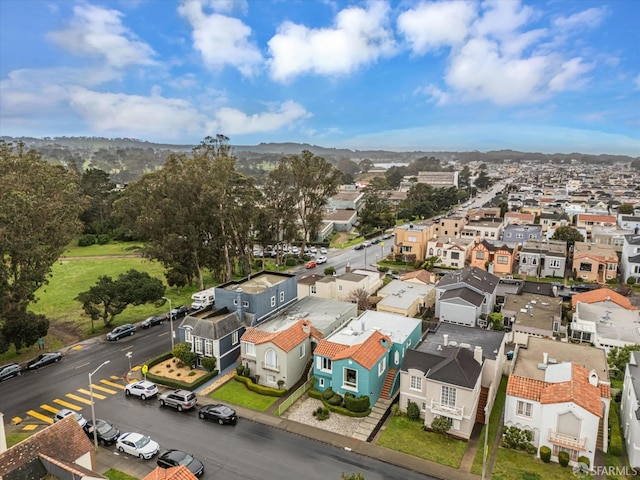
<point x="494" y="422"/>
<point x="113" y="474"/>
<point x="115" y="248"/>
<point x="516" y="465"/>
<point x="13" y="438"/>
<point x="408" y="436"/>
<point x="236" y="393"/>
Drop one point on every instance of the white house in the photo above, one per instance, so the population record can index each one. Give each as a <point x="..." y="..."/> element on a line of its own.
<point x="630" y="409"/>
<point x="630" y="258"/>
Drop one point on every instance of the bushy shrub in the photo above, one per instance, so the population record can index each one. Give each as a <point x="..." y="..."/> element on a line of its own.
<point x="563" y="458"/>
<point x="356" y="404"/>
<point x="209" y="363"/>
<point x="335" y="400"/>
<point x="86" y="240"/>
<point x="395" y="410"/>
<point x="182" y="351"/>
<point x="240" y="369"/>
<point x="545" y="454"/>
<point x="280" y="384"/>
<point x="441" y="424"/>
<point x="246" y="371"/>
<point x="291" y="261"/>
<point x="585" y="460"/>
<point x="413" y="411"/>
<point x="329" y="271"/>
<point x="516" y="438"/>
<point x="321" y="413"/>
<point x="327" y="394"/>
<point x="261" y="389"/>
<point x="103" y="239"/>
<point x="530" y="448"/>
<point x="631" y="281"/>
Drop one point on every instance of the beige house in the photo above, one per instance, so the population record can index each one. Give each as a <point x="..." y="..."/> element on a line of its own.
<point x="594" y="263"/>
<point x="589" y="220"/>
<point x="484" y="229"/>
<point x="420" y="276"/>
<point x="517" y="218"/>
<point x="411" y="240"/>
<point x="452" y="252"/>
<point x="449" y="227"/>
<point x="340" y="287"/>
<point x="406" y="298"/>
<point x="532" y="314"/>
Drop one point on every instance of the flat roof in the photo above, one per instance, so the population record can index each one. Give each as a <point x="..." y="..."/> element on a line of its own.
<point x="393" y="325"/>
<point x="533" y="310"/>
<point x="460" y="336"/>
<point x="258" y="284"/>
<point x="611" y="323"/>
<point x="529" y="357"/>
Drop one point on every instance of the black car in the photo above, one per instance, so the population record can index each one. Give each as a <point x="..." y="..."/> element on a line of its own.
<point x="180" y="311"/>
<point x="10" y="370"/>
<point x="176" y="458"/>
<point x="218" y="413"/>
<point x="43" y="359"/>
<point x="121" y="331"/>
<point x="151" y="321"/>
<point x="107" y="434"/>
<point x="584" y="287"/>
<point x="359" y="246"/>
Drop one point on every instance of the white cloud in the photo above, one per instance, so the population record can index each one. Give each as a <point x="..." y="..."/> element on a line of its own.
<point x="436" y="95"/>
<point x="229" y="6"/>
<point x="221" y="40"/>
<point x="569" y="76"/>
<point x="433" y="25"/>
<point x="232" y="121"/>
<point x="502" y="18"/>
<point x="587" y="18"/>
<point x="359" y="37"/>
<point x="99" y="32"/>
<point x="636" y="81"/>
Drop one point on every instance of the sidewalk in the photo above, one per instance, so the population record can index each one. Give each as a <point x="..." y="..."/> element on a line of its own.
<point x="105" y="459"/>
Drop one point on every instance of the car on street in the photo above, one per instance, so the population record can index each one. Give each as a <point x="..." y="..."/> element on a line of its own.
<point x="180" y="311"/>
<point x="311" y="264"/>
<point x="142" y="388"/>
<point x="323" y="251"/>
<point x="359" y="246"/>
<point x="122" y="331"/>
<point x="151" y="321"/>
<point x="313" y="249"/>
<point x="585" y="287"/>
<point x="43" y="359"/>
<point x="106" y="433"/>
<point x="375" y="241"/>
<point x="137" y="445"/>
<point x="366" y="243"/>
<point x="321" y="259"/>
<point x="10" y="370"/>
<point x="179" y="399"/>
<point x="176" y="458"/>
<point x="219" y="413"/>
<point x="65" y="412"/>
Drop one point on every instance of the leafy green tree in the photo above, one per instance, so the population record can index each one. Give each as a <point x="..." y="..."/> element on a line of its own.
<point x="39" y="208"/>
<point x="626" y="209"/>
<point x="464" y="176"/>
<point x="430" y="263"/>
<point x="108" y="298"/>
<point x="635" y="164"/>
<point x="365" y="165"/>
<point x="568" y="234"/>
<point x="394" y="175"/>
<point x="182" y="351"/>
<point x="100" y="190"/>
<point x="618" y="357"/>
<point x="419" y="202"/>
<point x="377" y="212"/>
<point x="413" y="410"/>
<point x="483" y="181"/>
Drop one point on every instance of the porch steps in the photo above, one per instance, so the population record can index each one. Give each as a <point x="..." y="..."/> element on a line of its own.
<point x="599" y="439"/>
<point x="482" y="402"/>
<point x="388" y="383"/>
<point x="369" y="424"/>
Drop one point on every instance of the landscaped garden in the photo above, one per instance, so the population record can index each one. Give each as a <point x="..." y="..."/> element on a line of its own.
<point x="237" y="393"/>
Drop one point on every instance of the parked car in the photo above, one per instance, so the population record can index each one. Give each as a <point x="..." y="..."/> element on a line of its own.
<point x="151" y="321"/>
<point x="180" y="311"/>
<point x="218" y="413"/>
<point x="179" y="399"/>
<point x="313" y="249"/>
<point x="176" y="458"/>
<point x="366" y="243"/>
<point x="375" y="241"/>
<point x="43" y="359"/>
<point x="321" y="259"/>
<point x="143" y="389"/>
<point x="585" y="287"/>
<point x="65" y="412"/>
<point x="323" y="251"/>
<point x="122" y="331"/>
<point x="311" y="264"/>
<point x="106" y="433"/>
<point x="359" y="246"/>
<point x="137" y="445"/>
<point x="10" y="370"/>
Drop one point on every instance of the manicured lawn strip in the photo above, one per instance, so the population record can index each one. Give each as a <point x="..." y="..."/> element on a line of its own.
<point x="615" y="439"/>
<point x="113" y="474"/>
<point x="115" y="248"/>
<point x="14" y="438"/>
<point x="494" y="422"/>
<point x="236" y="393"/>
<point x="516" y="465"/>
<point x="408" y="436"/>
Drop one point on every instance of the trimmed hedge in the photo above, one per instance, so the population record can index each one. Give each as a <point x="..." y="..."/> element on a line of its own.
<point x="313" y="393"/>
<point x="357" y="404"/>
<point x="545" y="454"/>
<point x="615" y="437"/>
<point x="585" y="460"/>
<point x="260" y="389"/>
<point x="336" y="400"/>
<point x="563" y="458"/>
<point x="176" y="383"/>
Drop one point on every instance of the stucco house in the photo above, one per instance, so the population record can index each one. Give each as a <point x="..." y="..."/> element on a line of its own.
<point x="496" y="257"/>
<point x="411" y="240"/>
<point x="630" y="409"/>
<point x="364" y="357"/>
<point x="532" y="314"/>
<point x="543" y="258"/>
<point x="630" y="258"/>
<point x="605" y="325"/>
<point x="520" y="233"/>
<point x="454" y="372"/>
<point x="451" y="252"/>
<point x="594" y="263"/>
<point x="485" y="228"/>
<point x="405" y="298"/>
<point x="589" y="220"/>
<point x="340" y="287"/>
<point x="463" y="295"/>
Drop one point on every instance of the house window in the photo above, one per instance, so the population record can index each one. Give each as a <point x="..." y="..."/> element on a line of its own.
<point x="480" y="255"/>
<point x="301" y="350"/>
<point x="524" y="409"/>
<point x="412" y="238"/>
<point x="281" y="296"/>
<point x="439" y="252"/>
<point x="339" y="288"/>
<point x="321" y="382"/>
<point x="554" y="263"/>
<point x="415" y="383"/>
<point x="324" y="364"/>
<point x="273" y="301"/>
<point x="271" y="359"/>
<point x="424" y="406"/>
<point x="187" y="335"/>
<point x="493" y="234"/>
<point x="503" y="259"/>
<point x="519" y="235"/>
<point x="382" y="365"/>
<point x="208" y="348"/>
<point x="245" y="303"/>
<point x="198" y="345"/>
<point x="313" y="290"/>
<point x="350" y="378"/>
<point x="523" y="260"/>
<point x="455" y="255"/>
<point x="585" y="267"/>
<point x="234" y="338"/>
<point x="431" y="252"/>
<point x="448" y="396"/>
<point x="250" y="349"/>
<point x="271" y="378"/>
<point x="612" y="266"/>
<point x="573" y="454"/>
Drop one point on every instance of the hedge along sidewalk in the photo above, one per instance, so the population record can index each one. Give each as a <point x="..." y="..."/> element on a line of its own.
<point x="176" y="383"/>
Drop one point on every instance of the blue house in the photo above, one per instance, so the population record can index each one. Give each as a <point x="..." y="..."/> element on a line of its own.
<point x="239" y="304"/>
<point x="364" y="357"/>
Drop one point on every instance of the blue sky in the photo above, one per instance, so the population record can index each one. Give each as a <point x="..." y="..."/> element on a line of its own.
<point x="556" y="76"/>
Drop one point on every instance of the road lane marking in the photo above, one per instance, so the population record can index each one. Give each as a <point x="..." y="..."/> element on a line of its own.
<point x="136" y="368"/>
<point x="48" y="408"/>
<point x="111" y="384"/>
<point x="114" y="377"/>
<point x="83" y="365"/>
<point x="102" y="389"/>
<point x="126" y="348"/>
<point x="96" y="395"/>
<point x="72" y="406"/>
<point x="78" y="399"/>
<point x="77" y="347"/>
<point x="41" y="417"/>
<point x="163" y="334"/>
<point x="28" y="428"/>
<point x="16" y="420"/>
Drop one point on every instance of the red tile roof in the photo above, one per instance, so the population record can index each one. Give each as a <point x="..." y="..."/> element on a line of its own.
<point x="286" y="340"/>
<point x="173" y="473"/>
<point x="329" y="349"/>
<point x="577" y="390"/>
<point x="602" y="295"/>
<point x="367" y="353"/>
<point x="596" y="218"/>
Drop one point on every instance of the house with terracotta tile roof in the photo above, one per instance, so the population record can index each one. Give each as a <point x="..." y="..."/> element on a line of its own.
<point x="605" y="325"/>
<point x="454" y="372"/>
<point x="589" y="220"/>
<point x="604" y="297"/>
<point x="594" y="263"/>
<point x="364" y="357"/>
<point x="560" y="392"/>
<point x="451" y="252"/>
<point x="280" y="349"/>
<point x="420" y="276"/>
<point x="61" y="450"/>
<point x="517" y="218"/>
<point x="630" y="409"/>
<point x="173" y="473"/>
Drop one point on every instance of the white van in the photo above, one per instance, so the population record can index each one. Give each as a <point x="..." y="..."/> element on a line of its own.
<point x="203" y="299"/>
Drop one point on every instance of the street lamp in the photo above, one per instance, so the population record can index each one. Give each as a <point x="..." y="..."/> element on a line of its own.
<point x="170" y="320"/>
<point x="93" y="409"/>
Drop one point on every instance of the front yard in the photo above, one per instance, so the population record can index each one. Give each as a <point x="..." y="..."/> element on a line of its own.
<point x="408" y="436"/>
<point x="516" y="465"/>
<point x="236" y="393"/>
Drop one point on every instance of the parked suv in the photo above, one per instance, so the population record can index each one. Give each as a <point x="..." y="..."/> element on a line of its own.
<point x="179" y="399"/>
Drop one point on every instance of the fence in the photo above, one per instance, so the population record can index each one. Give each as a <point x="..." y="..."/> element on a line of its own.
<point x="294" y="396"/>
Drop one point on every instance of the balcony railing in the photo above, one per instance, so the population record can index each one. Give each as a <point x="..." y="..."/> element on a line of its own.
<point x="567" y="440"/>
<point x="268" y="366"/>
<point x="438" y="408"/>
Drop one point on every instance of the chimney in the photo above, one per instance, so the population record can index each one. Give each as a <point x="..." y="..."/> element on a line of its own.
<point x="545" y="358"/>
<point x="362" y="325"/>
<point x="306" y="327"/>
<point x="477" y="354"/>
<point x="446" y="339"/>
<point x="239" y="311"/>
<point x="347" y="268"/>
<point x="593" y="378"/>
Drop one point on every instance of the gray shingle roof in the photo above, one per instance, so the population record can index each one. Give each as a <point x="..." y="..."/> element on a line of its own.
<point x="465" y="294"/>
<point x="456" y="366"/>
<point x="473" y="276"/>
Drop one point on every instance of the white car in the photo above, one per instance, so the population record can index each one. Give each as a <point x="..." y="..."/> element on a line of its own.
<point x="143" y="389"/>
<point x="323" y="251"/>
<point x="321" y="259"/>
<point x="137" y="445"/>
<point x="65" y="412"/>
<point x="313" y="250"/>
